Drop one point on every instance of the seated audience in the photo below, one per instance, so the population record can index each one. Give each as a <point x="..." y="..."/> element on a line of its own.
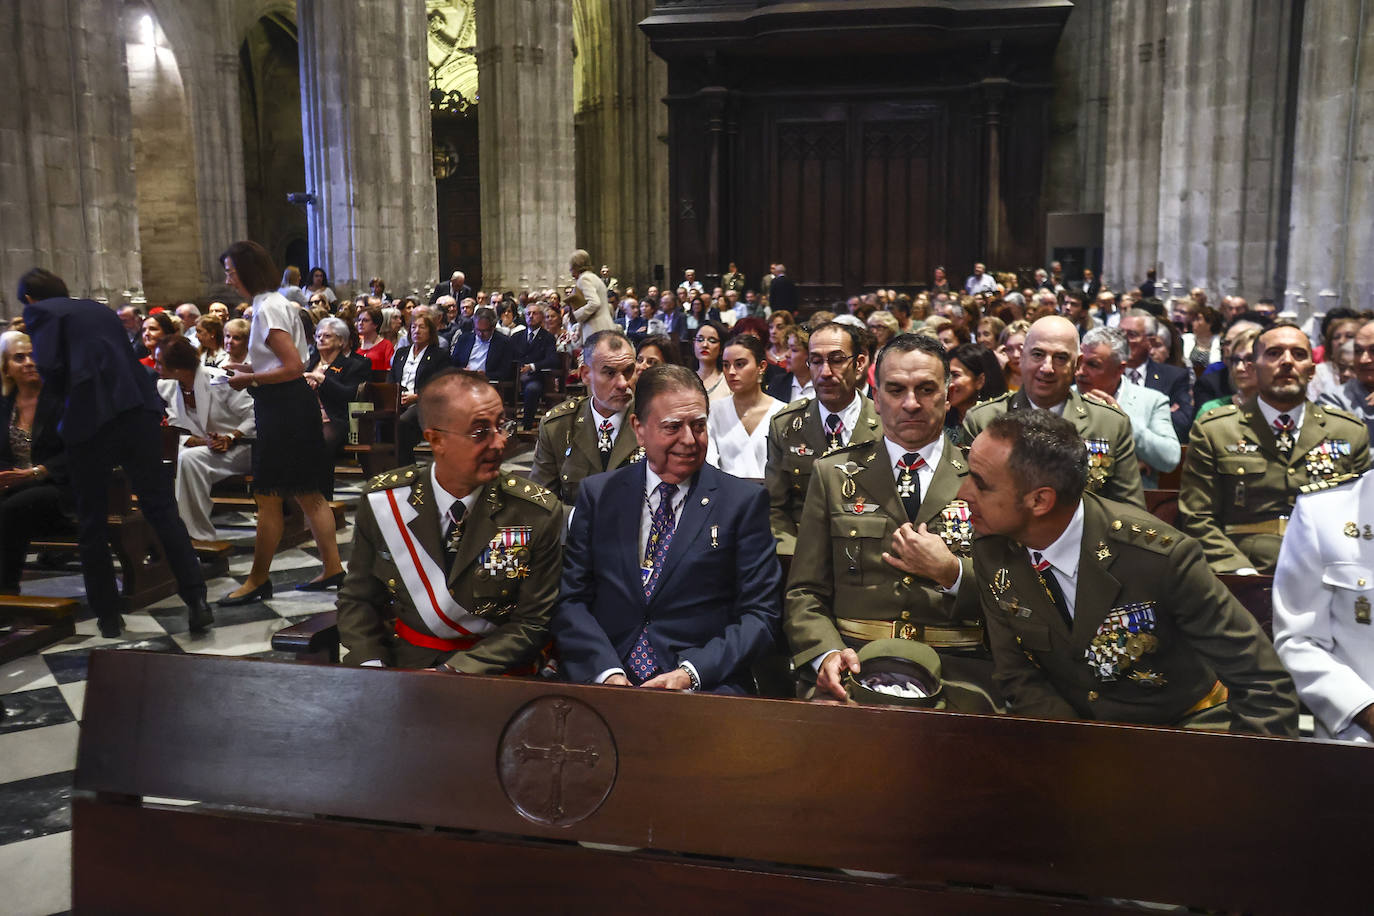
<point x="657" y="350"/>
<point x="455" y="565"/>
<point x="668" y="577"/>
<point x="210" y="336"/>
<point x="372" y="343"/>
<point x="537" y="353"/>
<point x="1143" y="332"/>
<point x="1170" y="646"/>
<point x="795" y="384"/>
<point x="215" y="421"/>
<point x="337" y="376"/>
<point x="35" y="496"/>
<point x="974" y="376"/>
<point x="708" y="347"/>
<point x="414" y="364"/>
<point x="738" y="425"/>
<point x="1357" y="395"/>
<point x="485" y="350"/>
<point x="156" y="326"/>
<point x="1338" y="365"/>
<point x="1242" y="384"/>
<point x="1100" y="371"/>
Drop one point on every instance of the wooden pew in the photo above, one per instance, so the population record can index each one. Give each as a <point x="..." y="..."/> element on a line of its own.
<point x="733" y="805"/>
<point x="315" y="639"/>
<point x="1257" y="594"/>
<point x="375" y="450"/>
<point x="32" y="622"/>
<point x="1163" y="505"/>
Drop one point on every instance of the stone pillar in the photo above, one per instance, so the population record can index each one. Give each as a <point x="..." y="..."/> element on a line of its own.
<point x="1221" y="172"/>
<point x="1134" y="138"/>
<point x="66" y="158"/>
<point x="1332" y="229"/>
<point x="525" y="127"/>
<point x="1085" y="66"/>
<point x="217" y="128"/>
<point x="368" y="156"/>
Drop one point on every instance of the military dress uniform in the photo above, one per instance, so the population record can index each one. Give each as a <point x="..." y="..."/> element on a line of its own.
<point x="485" y="611"/>
<point x="842" y="593"/>
<point x="1238" y="489"/>
<point x="1156" y="638"/>
<point x="796" y="438"/>
<point x="1323" y="593"/>
<point x="567" y="451"/>
<point x="1113" y="468"/>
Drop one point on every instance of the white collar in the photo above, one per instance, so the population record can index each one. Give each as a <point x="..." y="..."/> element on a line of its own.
<point x="1271" y="413"/>
<point x="617" y="419"/>
<point x="849" y="416"/>
<point x="1063" y="554"/>
<point x="444" y="500"/>
<point x="931" y="451"/>
<point x="652" y="480"/>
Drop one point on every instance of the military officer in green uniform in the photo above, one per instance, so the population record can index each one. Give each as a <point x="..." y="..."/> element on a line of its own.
<point x="1097" y="610"/>
<point x="839" y="415"/>
<point x="590" y="434"/>
<point x="884" y="544"/>
<point x="455" y="565"/>
<point x="1246" y="464"/>
<point x="1048" y="363"/>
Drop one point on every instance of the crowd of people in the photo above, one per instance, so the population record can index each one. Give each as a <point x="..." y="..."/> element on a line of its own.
<point x="749" y="495"/>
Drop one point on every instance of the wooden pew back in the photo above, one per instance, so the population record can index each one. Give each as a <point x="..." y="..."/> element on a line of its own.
<point x="952" y="804"/>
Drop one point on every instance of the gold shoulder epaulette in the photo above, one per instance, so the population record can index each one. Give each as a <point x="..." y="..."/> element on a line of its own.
<point x="1141" y="533"/>
<point x="568" y="406"/>
<point x="1216" y="413"/>
<point x="798" y="404"/>
<point x="1329" y="482"/>
<point x="387" y="480"/>
<point x="528" y="490"/>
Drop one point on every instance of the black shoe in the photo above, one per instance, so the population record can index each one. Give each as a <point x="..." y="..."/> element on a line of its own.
<point x="261" y="593"/>
<point x="202" y="618"/>
<point x="334" y="581"/>
<point x="111" y="627"/>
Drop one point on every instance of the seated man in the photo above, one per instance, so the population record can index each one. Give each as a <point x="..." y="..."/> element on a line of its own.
<point x="537" y="352"/>
<point x="1357" y="395"/>
<point x="1097" y="610"/>
<point x="483" y="350"/>
<point x="670" y="579"/>
<point x="1049" y="359"/>
<point x="465" y="558"/>
<point x="883" y="544"/>
<point x="1143" y="331"/>
<point x="839" y="415"/>
<point x="1323" y="586"/>
<point x="1100" y="376"/>
<point x="590" y="434"/>
<point x="1246" y="464"/>
<point x="217" y="420"/>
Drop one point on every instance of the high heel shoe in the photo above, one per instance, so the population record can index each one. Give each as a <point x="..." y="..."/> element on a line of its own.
<point x="334" y="581"/>
<point x="261" y="593"/>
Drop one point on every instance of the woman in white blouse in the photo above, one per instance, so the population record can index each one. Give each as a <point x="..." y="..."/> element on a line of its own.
<point x="737" y="428"/>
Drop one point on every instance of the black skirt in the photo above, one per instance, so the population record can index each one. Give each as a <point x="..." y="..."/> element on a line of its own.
<point x="289" y="456"/>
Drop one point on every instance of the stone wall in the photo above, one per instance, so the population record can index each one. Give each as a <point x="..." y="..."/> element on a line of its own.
<point x="1085" y="66"/>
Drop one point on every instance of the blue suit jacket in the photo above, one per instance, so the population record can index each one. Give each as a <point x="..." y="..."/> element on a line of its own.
<point x="82" y="351"/>
<point x="717" y="603"/>
<point x="500" y="355"/>
<point x="542" y="351"/>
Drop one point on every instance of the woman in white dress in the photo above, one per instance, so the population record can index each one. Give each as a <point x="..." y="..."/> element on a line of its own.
<point x="737" y="428"/>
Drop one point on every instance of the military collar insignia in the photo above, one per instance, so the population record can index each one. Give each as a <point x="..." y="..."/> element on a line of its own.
<point x="860" y="507"/>
<point x="1352" y="530"/>
<point x="1102" y="552"/>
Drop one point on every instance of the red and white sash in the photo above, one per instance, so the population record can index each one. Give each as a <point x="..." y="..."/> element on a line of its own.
<point x="424" y="580"/>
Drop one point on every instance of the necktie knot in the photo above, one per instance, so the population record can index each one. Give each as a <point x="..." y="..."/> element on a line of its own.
<point x="454" y="531"/>
<point x="834" y="423"/>
<point x="1039" y="561"/>
<point x="910" y="462"/>
<point x="666" y="491"/>
<point x="1284" y="423"/>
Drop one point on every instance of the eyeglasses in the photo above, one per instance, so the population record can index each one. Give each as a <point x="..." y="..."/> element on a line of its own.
<point x="836" y="361"/>
<point x="481" y="434"/>
<point x="702" y="340"/>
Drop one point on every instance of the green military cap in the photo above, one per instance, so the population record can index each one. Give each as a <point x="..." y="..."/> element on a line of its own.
<point x="904" y="665"/>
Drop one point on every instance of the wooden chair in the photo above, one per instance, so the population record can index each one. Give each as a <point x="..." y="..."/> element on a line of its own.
<point x="1163" y="505"/>
<point x="375" y="450"/>
<point x="1257" y="594"/>
<point x="332" y="789"/>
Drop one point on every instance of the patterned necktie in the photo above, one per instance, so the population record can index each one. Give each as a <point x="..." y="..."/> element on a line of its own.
<point x="836" y="427"/>
<point x="453" y="532"/>
<point x="1052" y="588"/>
<point x="1283" y="433"/>
<point x="643" y="663"/>
<point x="604" y="442"/>
<point x="908" y="484"/>
<point x="1136" y="376"/>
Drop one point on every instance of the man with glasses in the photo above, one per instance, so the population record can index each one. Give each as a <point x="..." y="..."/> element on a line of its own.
<point x="465" y="558"/>
<point x="1142" y="332"/>
<point x="1357" y="395"/>
<point x="1049" y="360"/>
<point x="587" y="435"/>
<point x="805" y="430"/>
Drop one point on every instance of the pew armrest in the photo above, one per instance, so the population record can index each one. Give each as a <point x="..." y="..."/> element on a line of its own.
<point x="316" y="638"/>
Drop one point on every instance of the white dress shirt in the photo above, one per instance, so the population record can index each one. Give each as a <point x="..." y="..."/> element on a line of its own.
<point x="411" y="367"/>
<point x="849" y="417"/>
<point x="1063" y="555"/>
<point x="477" y="360"/>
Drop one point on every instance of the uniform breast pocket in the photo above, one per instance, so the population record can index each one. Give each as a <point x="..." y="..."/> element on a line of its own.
<point x="859" y="542"/>
<point x="1236" y="474"/>
<point x="1030" y="635"/>
<point x="1351" y="585"/>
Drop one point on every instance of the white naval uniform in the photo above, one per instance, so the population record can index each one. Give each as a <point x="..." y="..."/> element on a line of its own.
<point x="1323" y="588"/>
<point x="219" y="409"/>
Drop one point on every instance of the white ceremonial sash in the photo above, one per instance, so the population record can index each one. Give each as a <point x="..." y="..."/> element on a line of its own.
<point x="426" y="583"/>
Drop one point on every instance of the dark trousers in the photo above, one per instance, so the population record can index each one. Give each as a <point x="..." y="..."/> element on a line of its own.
<point x="532" y="392"/>
<point x="408" y="435"/>
<point x="26" y="513"/>
<point x="132" y="440"/>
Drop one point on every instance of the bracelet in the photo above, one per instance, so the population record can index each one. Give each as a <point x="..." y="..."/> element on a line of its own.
<point x="37" y="471"/>
<point x="692" y="676"/>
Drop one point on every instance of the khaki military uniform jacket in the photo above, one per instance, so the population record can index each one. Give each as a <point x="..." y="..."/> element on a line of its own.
<point x="1153" y="630"/>
<point x="796" y="438"/>
<point x="1113" y="468"/>
<point x="510" y="593"/>
<point x="839" y="571"/>
<point x="1234" y="476"/>
<point x="566" y="451"/>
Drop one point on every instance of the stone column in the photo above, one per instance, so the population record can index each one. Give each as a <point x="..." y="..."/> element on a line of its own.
<point x="1221" y="172"/>
<point x="525" y="127"/>
<point x="217" y="127"/>
<point x="1332" y="229"/>
<point x="368" y="154"/>
<point x="1084" y="68"/>
<point x="1134" y="137"/>
<point x="66" y="158"/>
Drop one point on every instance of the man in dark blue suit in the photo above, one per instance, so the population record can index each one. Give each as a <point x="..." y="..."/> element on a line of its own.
<point x="670" y="579"/>
<point x="1141" y="330"/>
<point x="674" y="321"/>
<point x="112" y="417"/>
<point x="537" y="352"/>
<point x="483" y="349"/>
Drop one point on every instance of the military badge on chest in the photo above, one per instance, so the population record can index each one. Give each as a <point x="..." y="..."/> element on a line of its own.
<point x="507" y="555"/>
<point x="1321" y="461"/>
<point x="956" y="528"/>
<point x="1099" y="462"/>
<point x="1123" y="639"/>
